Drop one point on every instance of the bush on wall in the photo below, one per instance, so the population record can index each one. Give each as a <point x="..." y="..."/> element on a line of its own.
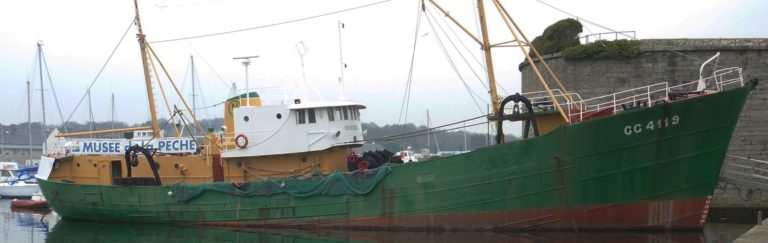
<point x="558" y="36"/>
<point x="602" y="49"/>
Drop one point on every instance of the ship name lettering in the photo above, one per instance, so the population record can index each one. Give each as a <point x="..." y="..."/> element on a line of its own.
<point x="651" y="125"/>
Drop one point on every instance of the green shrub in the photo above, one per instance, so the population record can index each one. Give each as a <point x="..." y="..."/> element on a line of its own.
<point x="602" y="49"/>
<point x="558" y="36"/>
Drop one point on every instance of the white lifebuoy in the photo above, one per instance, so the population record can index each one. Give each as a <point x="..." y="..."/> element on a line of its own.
<point x="241" y="141"/>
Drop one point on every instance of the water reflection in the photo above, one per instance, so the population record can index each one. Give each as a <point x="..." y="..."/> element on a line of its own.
<point x="23" y="226"/>
<point x="81" y="231"/>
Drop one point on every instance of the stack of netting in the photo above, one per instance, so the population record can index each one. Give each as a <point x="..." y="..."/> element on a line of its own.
<point x="359" y="182"/>
<point x="369" y="160"/>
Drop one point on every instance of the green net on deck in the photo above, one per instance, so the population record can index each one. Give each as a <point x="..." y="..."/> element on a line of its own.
<point x="338" y="183"/>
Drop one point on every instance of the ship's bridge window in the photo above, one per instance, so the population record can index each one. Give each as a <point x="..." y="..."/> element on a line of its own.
<point x="330" y="113"/>
<point x="311" y="115"/>
<point x="355" y="114"/>
<point x="300" y="117"/>
<point x="346" y="113"/>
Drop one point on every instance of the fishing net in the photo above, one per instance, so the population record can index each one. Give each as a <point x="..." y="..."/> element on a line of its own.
<point x="358" y="182"/>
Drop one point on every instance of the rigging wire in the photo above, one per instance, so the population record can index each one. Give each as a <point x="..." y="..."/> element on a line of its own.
<point x="583" y="19"/>
<point x="175" y="26"/>
<point x="409" y="81"/>
<point x="204" y="108"/>
<point x="202" y="98"/>
<point x="612" y="30"/>
<point x="422" y="132"/>
<point x="456" y="36"/>
<point x="100" y="71"/>
<point x="471" y="92"/>
<point x="274" y="24"/>
<point x="456" y="48"/>
<point x="55" y="97"/>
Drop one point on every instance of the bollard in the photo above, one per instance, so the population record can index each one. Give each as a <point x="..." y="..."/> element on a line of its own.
<point x="760" y="217"/>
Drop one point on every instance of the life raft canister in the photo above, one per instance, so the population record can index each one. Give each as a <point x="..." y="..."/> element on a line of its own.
<point x="363" y="165"/>
<point x="241" y="141"/>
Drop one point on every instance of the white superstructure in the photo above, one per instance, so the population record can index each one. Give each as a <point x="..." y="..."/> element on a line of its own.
<point x="295" y="128"/>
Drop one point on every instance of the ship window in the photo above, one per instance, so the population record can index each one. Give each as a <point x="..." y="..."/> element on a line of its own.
<point x="330" y="114"/>
<point x="300" y="117"/>
<point x="346" y="113"/>
<point x="279" y="116"/>
<point x="246" y="118"/>
<point x="338" y="111"/>
<point x="311" y="115"/>
<point x="354" y="113"/>
<point x="357" y="113"/>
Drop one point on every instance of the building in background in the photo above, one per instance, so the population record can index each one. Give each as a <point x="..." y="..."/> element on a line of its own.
<point x="15" y="145"/>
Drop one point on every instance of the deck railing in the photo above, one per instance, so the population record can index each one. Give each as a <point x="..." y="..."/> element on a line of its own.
<point x="646" y="96"/>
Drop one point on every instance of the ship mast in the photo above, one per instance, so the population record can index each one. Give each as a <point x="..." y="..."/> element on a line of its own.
<point x="150" y="95"/>
<point x="486" y="47"/>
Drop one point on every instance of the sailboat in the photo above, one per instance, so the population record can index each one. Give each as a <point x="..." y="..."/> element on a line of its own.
<point x="600" y="166"/>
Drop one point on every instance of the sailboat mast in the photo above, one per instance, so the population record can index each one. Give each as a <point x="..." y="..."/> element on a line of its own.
<point x="194" y="96"/>
<point x="147" y="78"/>
<point x="42" y="90"/>
<point x="486" y="47"/>
<point x="29" y="121"/>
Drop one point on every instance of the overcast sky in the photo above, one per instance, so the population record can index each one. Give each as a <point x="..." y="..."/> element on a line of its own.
<point x="79" y="35"/>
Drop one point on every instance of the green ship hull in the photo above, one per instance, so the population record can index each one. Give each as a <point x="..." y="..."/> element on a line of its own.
<point x="651" y="168"/>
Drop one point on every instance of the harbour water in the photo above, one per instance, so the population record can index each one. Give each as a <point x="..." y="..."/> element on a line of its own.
<point x="24" y="226"/>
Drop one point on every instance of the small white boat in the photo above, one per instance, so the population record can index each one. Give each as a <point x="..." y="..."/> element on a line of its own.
<point x="15" y="182"/>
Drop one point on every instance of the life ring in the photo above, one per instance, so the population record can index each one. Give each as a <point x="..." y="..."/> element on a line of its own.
<point x="244" y="141"/>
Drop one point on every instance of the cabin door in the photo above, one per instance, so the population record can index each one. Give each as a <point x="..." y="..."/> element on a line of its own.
<point x="105" y="172"/>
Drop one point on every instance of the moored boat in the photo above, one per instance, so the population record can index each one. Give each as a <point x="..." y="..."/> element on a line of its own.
<point x="17" y="182"/>
<point x="603" y="165"/>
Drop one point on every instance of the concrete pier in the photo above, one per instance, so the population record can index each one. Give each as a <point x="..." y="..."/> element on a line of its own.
<point x="759" y="233"/>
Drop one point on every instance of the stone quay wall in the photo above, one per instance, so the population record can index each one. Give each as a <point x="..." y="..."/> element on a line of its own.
<point x="744" y="178"/>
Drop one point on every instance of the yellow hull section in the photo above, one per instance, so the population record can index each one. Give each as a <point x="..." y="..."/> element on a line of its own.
<point x="101" y="169"/>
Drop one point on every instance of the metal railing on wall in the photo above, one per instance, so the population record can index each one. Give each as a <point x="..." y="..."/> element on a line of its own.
<point x="614" y="35"/>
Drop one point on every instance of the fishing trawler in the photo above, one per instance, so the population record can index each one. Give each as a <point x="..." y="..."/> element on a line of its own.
<point x="596" y="164"/>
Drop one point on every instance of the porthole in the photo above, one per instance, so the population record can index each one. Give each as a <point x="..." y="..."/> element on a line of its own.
<point x="246" y="118"/>
<point x="279" y="116"/>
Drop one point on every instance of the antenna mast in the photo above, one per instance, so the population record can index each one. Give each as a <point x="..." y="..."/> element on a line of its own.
<point x="342" y="65"/>
<point x="246" y="62"/>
